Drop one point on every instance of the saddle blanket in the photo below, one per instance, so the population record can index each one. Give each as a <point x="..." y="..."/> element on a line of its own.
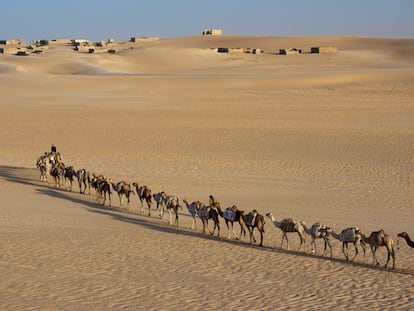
<point x="192" y="209"/>
<point x="229" y="215"/>
<point x="204" y="213"/>
<point x="288" y="225"/>
<point x="250" y="218"/>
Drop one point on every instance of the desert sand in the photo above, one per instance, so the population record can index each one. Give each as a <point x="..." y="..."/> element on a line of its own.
<point x="314" y="137"/>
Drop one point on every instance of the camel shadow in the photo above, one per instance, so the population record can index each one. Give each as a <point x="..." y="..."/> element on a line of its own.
<point x="26" y="176"/>
<point x="18" y="175"/>
<point x="342" y="261"/>
<point x="156" y="224"/>
<point x="132" y="217"/>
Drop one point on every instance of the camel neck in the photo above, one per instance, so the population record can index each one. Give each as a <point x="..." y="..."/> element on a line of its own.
<point x="409" y="241"/>
<point x="335" y="235"/>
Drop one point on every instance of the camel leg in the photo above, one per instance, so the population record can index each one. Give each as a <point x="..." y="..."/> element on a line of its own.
<point x="287" y="240"/>
<point x="228" y="229"/>
<point x="327" y="242"/>
<point x="149" y="208"/>
<point x="102" y="198"/>
<point x="176" y="217"/>
<point x="283" y="238"/>
<point x="356" y="252"/>
<point x="216" y="224"/>
<point x="214" y="229"/>
<point x="391" y="253"/>
<point x="254" y="239"/>
<point x="324" y="248"/>
<point x="204" y="225"/>
<point x="313" y="245"/>
<point x="345" y="245"/>
<point x="363" y="248"/>
<point x="169" y="216"/>
<point x="374" y="258"/>
<point x="388" y="259"/>
<point x="251" y="237"/>
<point x="301" y="242"/>
<point x="234" y="233"/>
<point x="208" y="228"/>
<point x="242" y="233"/>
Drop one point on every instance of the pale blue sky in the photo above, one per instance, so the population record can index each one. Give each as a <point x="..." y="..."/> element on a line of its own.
<point x="122" y="19"/>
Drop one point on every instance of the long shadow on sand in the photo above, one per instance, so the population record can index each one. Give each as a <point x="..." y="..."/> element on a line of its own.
<point x="25" y="176"/>
<point x="19" y="175"/>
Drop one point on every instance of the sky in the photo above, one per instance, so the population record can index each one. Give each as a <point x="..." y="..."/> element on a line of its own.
<point x="123" y="19"/>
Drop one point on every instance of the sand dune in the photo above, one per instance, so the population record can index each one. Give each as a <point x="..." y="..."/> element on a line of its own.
<point x="314" y="137"/>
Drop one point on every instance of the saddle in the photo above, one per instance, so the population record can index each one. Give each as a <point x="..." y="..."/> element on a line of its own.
<point x="192" y="209"/>
<point x="288" y="225"/>
<point x="204" y="212"/>
<point x="229" y="214"/>
<point x="250" y="218"/>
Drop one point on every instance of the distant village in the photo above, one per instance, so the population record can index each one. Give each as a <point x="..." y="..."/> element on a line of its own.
<point x="21" y="48"/>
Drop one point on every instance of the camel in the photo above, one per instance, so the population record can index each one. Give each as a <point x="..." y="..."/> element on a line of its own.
<point x="289" y="225"/>
<point x="123" y="189"/>
<point x="144" y="194"/>
<point x="102" y="188"/>
<point x="255" y="220"/>
<point x="159" y="199"/>
<point x="171" y="203"/>
<point x="193" y="209"/>
<point x="231" y="215"/>
<point x="44" y="164"/>
<point x="68" y="173"/>
<point x="56" y="173"/>
<point x="94" y="184"/>
<point x="84" y="178"/>
<point x="318" y="231"/>
<point x="349" y="235"/>
<point x="206" y="213"/>
<point x="378" y="239"/>
<point x="405" y="235"/>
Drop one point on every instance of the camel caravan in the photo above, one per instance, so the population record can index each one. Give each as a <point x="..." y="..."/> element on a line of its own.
<point x="50" y="164"/>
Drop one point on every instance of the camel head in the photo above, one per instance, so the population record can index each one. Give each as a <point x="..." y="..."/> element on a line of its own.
<point x="403" y="234"/>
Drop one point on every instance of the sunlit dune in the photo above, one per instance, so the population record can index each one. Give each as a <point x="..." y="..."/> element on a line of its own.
<point x="322" y="137"/>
